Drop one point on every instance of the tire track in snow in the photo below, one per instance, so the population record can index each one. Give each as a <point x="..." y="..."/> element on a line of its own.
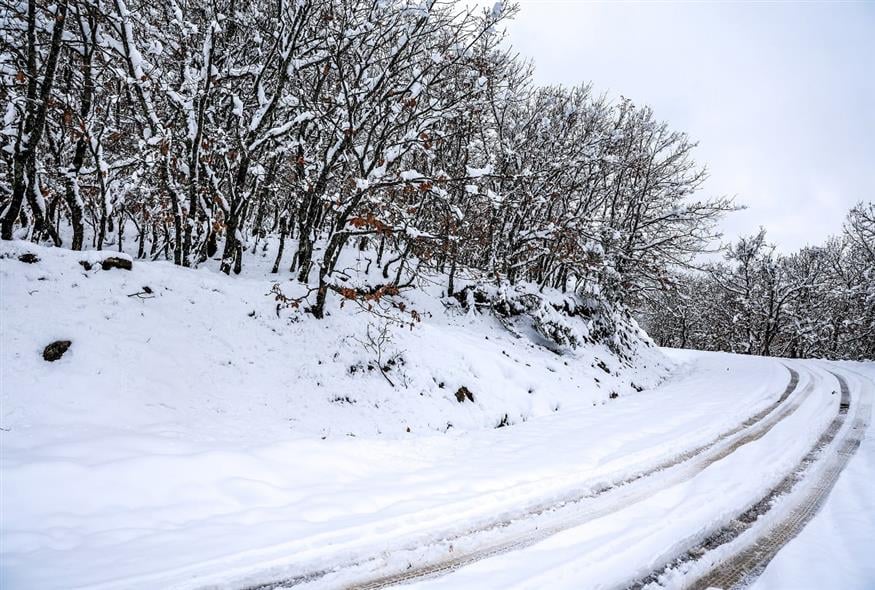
<point x="550" y="518"/>
<point x="817" y="472"/>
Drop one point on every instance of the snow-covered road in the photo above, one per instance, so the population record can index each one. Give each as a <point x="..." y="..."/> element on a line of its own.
<point x="656" y="487"/>
<point x="714" y="517"/>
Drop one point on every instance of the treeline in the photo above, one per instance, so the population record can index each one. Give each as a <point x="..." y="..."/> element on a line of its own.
<point x="817" y="302"/>
<point x="193" y="130"/>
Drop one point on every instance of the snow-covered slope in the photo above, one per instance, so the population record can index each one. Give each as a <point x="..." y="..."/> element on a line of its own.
<point x="205" y="358"/>
<point x="188" y="410"/>
<point x="192" y="438"/>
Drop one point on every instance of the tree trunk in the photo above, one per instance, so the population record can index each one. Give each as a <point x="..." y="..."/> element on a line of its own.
<point x="282" y="246"/>
<point x="35" y="117"/>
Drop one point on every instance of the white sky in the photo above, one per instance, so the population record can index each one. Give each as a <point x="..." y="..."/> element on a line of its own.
<point x="780" y="95"/>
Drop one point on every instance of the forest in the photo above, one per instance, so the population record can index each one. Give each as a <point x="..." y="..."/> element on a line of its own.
<point x="817" y="302"/>
<point x="204" y="132"/>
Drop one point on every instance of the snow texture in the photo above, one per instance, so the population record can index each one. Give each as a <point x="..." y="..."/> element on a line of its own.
<point x="193" y="437"/>
<point x="190" y="424"/>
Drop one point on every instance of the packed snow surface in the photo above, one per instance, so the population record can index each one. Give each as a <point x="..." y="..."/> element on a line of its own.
<point x="835" y="550"/>
<point x="193" y="437"/>
<point x="630" y="543"/>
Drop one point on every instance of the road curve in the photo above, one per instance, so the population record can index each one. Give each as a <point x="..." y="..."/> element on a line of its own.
<point x="731" y="555"/>
<point x="540" y="522"/>
<point x="734" y="555"/>
<point x="823" y="467"/>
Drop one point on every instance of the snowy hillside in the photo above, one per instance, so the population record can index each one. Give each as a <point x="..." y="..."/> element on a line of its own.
<point x="189" y="355"/>
<point x="191" y="437"/>
<point x="184" y="388"/>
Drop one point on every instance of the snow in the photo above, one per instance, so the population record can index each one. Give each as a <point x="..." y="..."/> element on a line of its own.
<point x="281" y="129"/>
<point x="473" y="172"/>
<point x="612" y="550"/>
<point x="194" y="437"/>
<point x="410" y="175"/>
<point x="193" y="424"/>
<point x="835" y="549"/>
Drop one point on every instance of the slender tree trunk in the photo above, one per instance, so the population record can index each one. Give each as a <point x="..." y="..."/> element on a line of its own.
<point x="282" y="245"/>
<point x="35" y="117"/>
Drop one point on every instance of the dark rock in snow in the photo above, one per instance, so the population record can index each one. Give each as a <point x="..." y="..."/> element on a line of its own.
<point x="56" y="350"/>
<point x="462" y="393"/>
<point x="614" y="395"/>
<point x="116" y="262"/>
<point x="85" y="264"/>
<point x="28" y="258"/>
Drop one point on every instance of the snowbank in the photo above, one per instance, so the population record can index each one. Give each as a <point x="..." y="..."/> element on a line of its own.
<point x="196" y="356"/>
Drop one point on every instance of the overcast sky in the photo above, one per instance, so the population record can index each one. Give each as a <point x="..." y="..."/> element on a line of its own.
<point x="780" y="96"/>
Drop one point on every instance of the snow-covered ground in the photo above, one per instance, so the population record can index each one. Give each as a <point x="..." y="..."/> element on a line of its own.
<point x="616" y="549"/>
<point x="835" y="550"/>
<point x="192" y="438"/>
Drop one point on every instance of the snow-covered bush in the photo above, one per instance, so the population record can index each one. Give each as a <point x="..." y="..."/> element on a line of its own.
<point x="564" y="320"/>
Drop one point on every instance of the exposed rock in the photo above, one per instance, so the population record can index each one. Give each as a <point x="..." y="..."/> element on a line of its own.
<point x="116" y="262"/>
<point x="462" y="393"/>
<point x="29" y="258"/>
<point x="107" y="263"/>
<point x="56" y="350"/>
